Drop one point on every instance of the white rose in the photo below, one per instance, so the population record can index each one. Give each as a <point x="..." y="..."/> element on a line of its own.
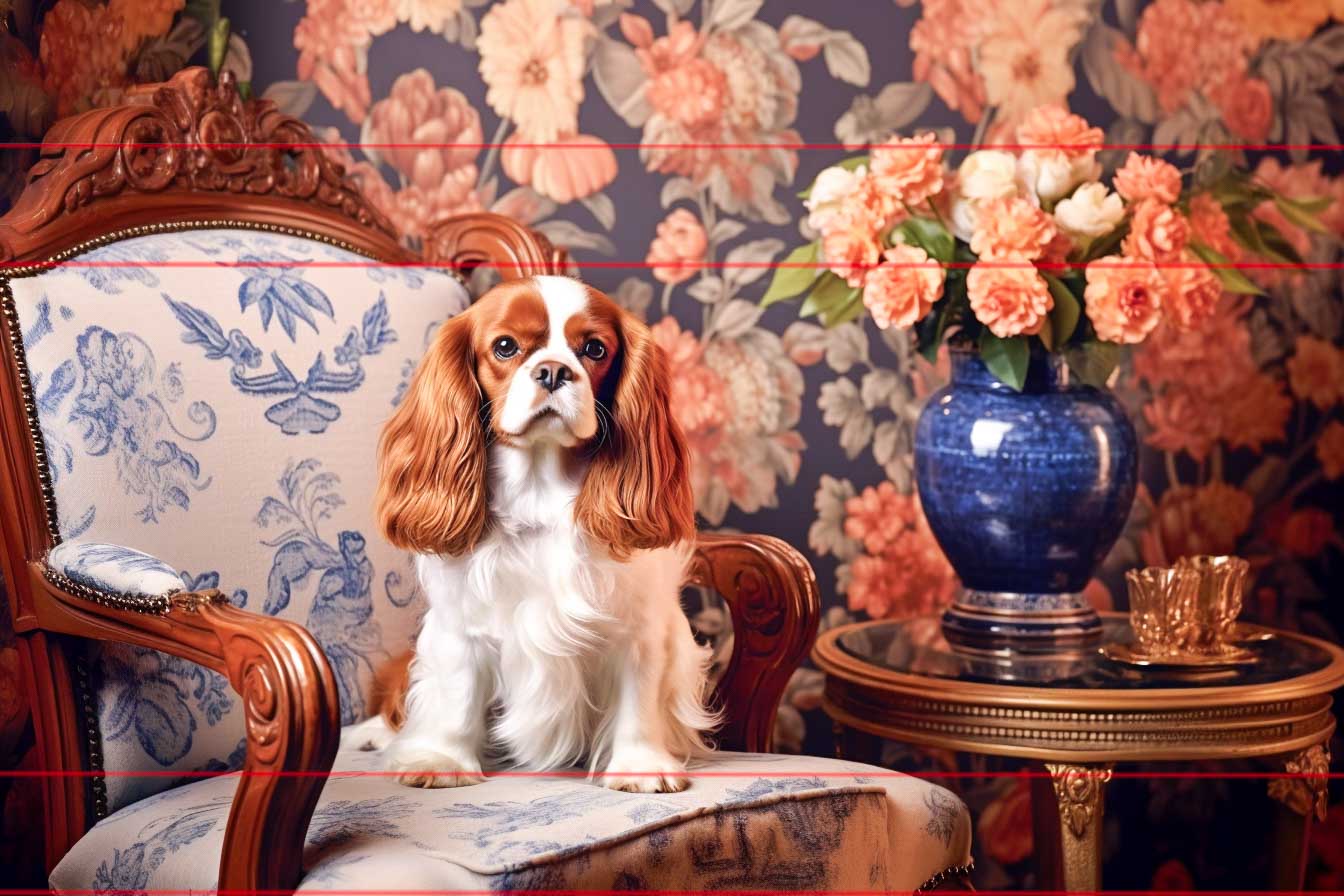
<point x="964" y="215"/>
<point x="988" y="174"/>
<point x="829" y="192"/>
<point x="1051" y="175"/>
<point x="1090" y="212"/>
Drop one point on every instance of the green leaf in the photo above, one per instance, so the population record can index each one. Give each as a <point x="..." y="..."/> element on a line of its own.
<point x="1093" y="361"/>
<point x="851" y="308"/>
<point x="219" y="44"/>
<point x="929" y="235"/>
<point x="1299" y="216"/>
<point x="1310" y="206"/>
<point x="204" y="11"/>
<point x="792" y="279"/>
<point x="1232" y="279"/>
<point x="1107" y="244"/>
<point x="827" y="296"/>
<point x="1064" y="316"/>
<point x="1006" y="358"/>
<point x="848" y="164"/>
<point x="1047" y="334"/>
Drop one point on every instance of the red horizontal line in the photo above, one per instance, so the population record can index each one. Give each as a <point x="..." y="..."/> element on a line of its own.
<point x="846" y="147"/>
<point x="579" y="773"/>
<point x="732" y="265"/>
<point x="733" y="892"/>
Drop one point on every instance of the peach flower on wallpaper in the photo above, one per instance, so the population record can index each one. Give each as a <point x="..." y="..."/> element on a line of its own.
<point x="333" y="50"/>
<point x="1005" y="825"/>
<point x="902" y="572"/>
<point x="1330" y="450"/>
<point x="1188" y="520"/>
<point x="944" y="42"/>
<point x="428" y="15"/>
<point x="1307" y="181"/>
<point x="1023" y="54"/>
<point x="739" y="400"/>
<point x="678" y="249"/>
<point x="1316" y="372"/>
<point x="532" y="62"/>
<point x="734" y="86"/>
<point x="572" y="167"/>
<point x="1303" y="533"/>
<point x="1061" y="151"/>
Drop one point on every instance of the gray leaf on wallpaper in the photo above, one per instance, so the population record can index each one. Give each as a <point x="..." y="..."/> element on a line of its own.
<point x="674" y="7"/>
<point x="871" y="119"/>
<point x="726" y="229"/>
<point x="291" y="97"/>
<point x="1316" y="301"/>
<point x="572" y="236"/>
<point x="878" y="388"/>
<point x="635" y="294"/>
<point x="734" y="319"/>
<point x="708" y="289"/>
<point x="677" y="189"/>
<point x="826" y="534"/>
<point x="757" y="254"/>
<point x="1198" y="121"/>
<point x="620" y="79"/>
<point x="1309" y="121"/>
<point x="1121" y="132"/>
<point x="603" y="209"/>
<point x="886" y="438"/>
<point x="729" y="14"/>
<point x="846" y="345"/>
<point x="841" y="406"/>
<point x="846" y="59"/>
<point x="804" y="343"/>
<point x="1132" y="97"/>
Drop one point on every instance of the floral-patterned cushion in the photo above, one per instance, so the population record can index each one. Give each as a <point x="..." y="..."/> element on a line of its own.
<point x="213" y="398"/>
<point x="114" y="568"/>
<point x="755" y="822"/>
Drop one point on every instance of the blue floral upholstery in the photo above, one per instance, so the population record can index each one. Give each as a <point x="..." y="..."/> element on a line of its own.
<point x="114" y="568"/>
<point x="221" y="414"/>
<point x="755" y="823"/>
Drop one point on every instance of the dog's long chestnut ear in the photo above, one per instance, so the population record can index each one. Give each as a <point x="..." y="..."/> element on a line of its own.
<point x="637" y="492"/>
<point x="432" y="459"/>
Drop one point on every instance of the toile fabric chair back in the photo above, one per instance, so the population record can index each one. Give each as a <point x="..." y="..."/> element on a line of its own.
<point x="208" y="392"/>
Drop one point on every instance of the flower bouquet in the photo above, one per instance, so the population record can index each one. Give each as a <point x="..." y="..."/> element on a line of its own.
<point x="1037" y="274"/>
<point x="1024" y="248"/>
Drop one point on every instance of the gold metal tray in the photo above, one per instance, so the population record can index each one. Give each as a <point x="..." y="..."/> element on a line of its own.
<point x="1132" y="655"/>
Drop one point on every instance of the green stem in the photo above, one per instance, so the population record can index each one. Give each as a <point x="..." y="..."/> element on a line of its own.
<point x="667" y="298"/>
<point x="1173" y="479"/>
<point x="492" y="154"/>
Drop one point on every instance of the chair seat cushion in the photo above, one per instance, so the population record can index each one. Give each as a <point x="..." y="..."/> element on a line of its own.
<point x="748" y="821"/>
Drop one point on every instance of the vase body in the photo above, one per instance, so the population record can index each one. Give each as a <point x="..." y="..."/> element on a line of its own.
<point x="1025" y="492"/>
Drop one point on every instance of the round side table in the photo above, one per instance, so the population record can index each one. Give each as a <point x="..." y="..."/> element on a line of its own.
<point x="1081" y="713"/>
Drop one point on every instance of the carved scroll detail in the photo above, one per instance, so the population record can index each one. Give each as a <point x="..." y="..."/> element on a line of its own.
<point x="1307" y="793"/>
<point x="1078" y="791"/>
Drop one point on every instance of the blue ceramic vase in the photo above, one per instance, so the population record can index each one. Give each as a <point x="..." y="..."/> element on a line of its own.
<point x="1026" y="492"/>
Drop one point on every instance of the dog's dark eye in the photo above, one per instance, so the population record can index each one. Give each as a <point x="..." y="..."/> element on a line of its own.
<point x="594" y="349"/>
<point x="505" y="348"/>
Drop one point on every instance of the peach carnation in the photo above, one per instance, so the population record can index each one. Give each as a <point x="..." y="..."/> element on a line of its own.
<point x="1148" y="177"/>
<point x="678" y="248"/>
<point x="850" y="243"/>
<point x="909" y="168"/>
<point x="1330" y="450"/>
<point x="1316" y="372"/>
<point x="1011" y="227"/>
<point x="902" y="290"/>
<point x="1062" y="151"/>
<point x="878" y="515"/>
<point x="1123" y="298"/>
<point x="1193" y="291"/>
<point x="1008" y="296"/>
<point x="1209" y="226"/>
<point x="1157" y="232"/>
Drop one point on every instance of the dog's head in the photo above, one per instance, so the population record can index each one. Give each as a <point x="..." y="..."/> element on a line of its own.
<point x="544" y="360"/>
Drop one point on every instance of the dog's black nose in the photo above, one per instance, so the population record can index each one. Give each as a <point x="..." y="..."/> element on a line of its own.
<point x="552" y="375"/>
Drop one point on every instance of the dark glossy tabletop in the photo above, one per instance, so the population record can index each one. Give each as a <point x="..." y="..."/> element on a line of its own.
<point x="917" y="647"/>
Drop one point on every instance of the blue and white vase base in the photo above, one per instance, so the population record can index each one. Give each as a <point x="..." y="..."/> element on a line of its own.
<point x="1027" y="623"/>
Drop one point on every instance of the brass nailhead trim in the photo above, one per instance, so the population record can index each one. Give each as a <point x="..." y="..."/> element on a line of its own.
<point x="150" y="604"/>
<point x="947" y="874"/>
<point x="93" y="737"/>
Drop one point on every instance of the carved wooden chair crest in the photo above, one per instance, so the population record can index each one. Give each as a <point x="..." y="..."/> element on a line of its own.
<point x="206" y="323"/>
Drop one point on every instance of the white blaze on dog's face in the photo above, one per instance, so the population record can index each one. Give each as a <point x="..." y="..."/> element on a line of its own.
<point x="544" y="348"/>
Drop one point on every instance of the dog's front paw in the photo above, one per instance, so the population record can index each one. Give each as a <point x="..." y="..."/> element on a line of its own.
<point x="645" y="769"/>
<point x="425" y="767"/>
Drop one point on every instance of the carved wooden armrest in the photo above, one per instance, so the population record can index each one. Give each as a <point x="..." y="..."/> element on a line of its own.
<point x="290" y="702"/>
<point x="772" y="595"/>
<point x="465" y="242"/>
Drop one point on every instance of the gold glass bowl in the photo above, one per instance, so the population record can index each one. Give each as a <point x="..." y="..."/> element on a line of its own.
<point x="1186" y="614"/>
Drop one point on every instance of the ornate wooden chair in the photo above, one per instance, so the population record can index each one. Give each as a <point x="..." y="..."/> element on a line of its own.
<point x="198" y="354"/>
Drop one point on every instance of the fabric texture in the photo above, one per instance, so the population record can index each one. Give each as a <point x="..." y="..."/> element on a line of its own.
<point x="112" y="567"/>
<point x="753" y="822"/>
<point x="223" y="416"/>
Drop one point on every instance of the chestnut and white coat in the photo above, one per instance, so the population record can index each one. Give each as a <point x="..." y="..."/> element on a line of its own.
<point x="536" y="470"/>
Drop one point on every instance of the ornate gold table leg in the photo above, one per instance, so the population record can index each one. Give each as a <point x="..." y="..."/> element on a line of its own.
<point x="1298" y="798"/>
<point x="1067" y="812"/>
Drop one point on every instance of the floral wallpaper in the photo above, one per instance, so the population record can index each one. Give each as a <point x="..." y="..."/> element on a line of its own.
<point x="677" y="136"/>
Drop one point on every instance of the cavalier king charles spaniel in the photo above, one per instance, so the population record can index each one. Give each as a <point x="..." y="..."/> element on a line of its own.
<point x="536" y="472"/>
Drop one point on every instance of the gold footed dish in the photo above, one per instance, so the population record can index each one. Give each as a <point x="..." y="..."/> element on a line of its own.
<point x="1130" y="655"/>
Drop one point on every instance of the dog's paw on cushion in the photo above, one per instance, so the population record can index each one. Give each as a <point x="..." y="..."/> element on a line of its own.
<point x="645" y="769"/>
<point x="427" y="767"/>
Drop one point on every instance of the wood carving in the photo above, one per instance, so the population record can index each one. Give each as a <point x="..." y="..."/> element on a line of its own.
<point x="772" y="597"/>
<point x="291" y="711"/>
<point x="466" y="242"/>
<point x="187" y="150"/>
